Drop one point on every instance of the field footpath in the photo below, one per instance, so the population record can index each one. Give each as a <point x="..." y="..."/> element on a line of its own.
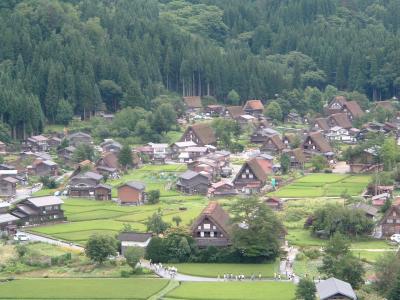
<point x="163" y="273"/>
<point x="39" y="238"/>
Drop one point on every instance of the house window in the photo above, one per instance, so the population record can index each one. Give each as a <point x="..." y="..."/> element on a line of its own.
<point x="212" y="234"/>
<point x="394" y="214"/>
<point x="389" y="221"/>
<point x="202" y="234"/>
<point x="198" y="227"/>
<point x="250" y="175"/>
<point x="214" y="227"/>
<point x="207" y="226"/>
<point x="243" y="175"/>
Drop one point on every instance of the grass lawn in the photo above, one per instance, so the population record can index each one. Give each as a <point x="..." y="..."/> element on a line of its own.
<point x="81" y="288"/>
<point x="303" y="238"/>
<point x="324" y="185"/>
<point x="44" y="192"/>
<point x="233" y="291"/>
<point x="213" y="270"/>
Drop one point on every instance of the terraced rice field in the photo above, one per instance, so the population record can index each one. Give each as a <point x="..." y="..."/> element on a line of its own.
<point x="324" y="185"/>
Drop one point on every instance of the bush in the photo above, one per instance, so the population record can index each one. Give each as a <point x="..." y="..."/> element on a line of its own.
<point x="61" y="260"/>
<point x="125" y="274"/>
<point x="312" y="253"/>
<point x="300" y="256"/>
<point x="154" y="196"/>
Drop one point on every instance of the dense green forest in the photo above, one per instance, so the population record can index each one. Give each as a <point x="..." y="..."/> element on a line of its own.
<point x="59" y="57"/>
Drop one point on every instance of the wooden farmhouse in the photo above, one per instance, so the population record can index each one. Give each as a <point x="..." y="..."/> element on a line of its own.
<point x="212" y="227"/>
<point x="132" y="192"/>
<point x="253" y="175"/>
<point x="254" y="108"/>
<point x="201" y="134"/>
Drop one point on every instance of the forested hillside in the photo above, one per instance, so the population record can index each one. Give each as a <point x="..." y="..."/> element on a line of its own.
<point x="64" y="56"/>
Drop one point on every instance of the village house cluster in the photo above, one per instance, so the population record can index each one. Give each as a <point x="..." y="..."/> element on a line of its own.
<point x="210" y="171"/>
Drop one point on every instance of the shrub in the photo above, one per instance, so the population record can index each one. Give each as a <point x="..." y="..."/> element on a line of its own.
<point x="312" y="253"/>
<point x="125" y="274"/>
<point x="300" y="256"/>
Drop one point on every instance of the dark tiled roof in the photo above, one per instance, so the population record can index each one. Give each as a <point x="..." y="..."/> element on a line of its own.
<point x="134" y="237"/>
<point x="134" y="184"/>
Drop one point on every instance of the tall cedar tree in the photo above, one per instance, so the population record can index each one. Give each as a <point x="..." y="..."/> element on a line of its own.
<point x="125" y="156"/>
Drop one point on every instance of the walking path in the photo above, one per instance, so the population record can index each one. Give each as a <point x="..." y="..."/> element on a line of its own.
<point x="163" y="272"/>
<point x="39" y="238"/>
<point x="286" y="266"/>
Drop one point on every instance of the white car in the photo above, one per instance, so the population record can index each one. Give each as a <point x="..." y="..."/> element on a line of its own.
<point x="395" y="238"/>
<point x="22" y="237"/>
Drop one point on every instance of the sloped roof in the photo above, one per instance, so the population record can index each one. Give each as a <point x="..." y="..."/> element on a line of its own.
<point x="45" y="201"/>
<point x="290" y="136"/>
<point x="10" y="179"/>
<point x="322" y="123"/>
<point x="260" y="167"/>
<point x="93" y="175"/>
<point x="138" y="237"/>
<point x="39" y="138"/>
<point x="235" y="111"/>
<point x="342" y="120"/>
<point x="5" y="218"/>
<point x="368" y="209"/>
<point x="297" y="154"/>
<point x="110" y="159"/>
<point x="253" y="105"/>
<point x="79" y="134"/>
<point x="216" y="214"/>
<point x="204" y="132"/>
<point x="192" y="101"/>
<point x="276" y="140"/>
<point x="189" y="174"/>
<point x="340" y="99"/>
<point x="333" y="286"/>
<point x="134" y="184"/>
<point x="354" y="108"/>
<point x="388" y="105"/>
<point x="320" y="142"/>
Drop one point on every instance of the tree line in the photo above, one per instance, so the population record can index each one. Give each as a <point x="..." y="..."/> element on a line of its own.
<point x="81" y="56"/>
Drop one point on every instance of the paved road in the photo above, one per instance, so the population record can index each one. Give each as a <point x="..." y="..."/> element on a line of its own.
<point x="39" y="238"/>
<point x="182" y="277"/>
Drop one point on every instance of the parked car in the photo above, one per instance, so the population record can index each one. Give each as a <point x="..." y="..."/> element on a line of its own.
<point x="21" y="237"/>
<point x="395" y="238"/>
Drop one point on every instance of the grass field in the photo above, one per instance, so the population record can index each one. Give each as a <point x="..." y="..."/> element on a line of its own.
<point x="81" y="288"/>
<point x="233" y="291"/>
<point x="213" y="270"/>
<point x="87" y="217"/>
<point x="303" y="238"/>
<point x="324" y="185"/>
